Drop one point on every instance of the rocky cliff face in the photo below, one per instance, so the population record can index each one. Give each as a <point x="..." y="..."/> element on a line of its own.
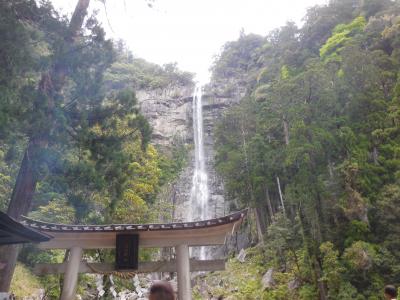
<point x="216" y="98"/>
<point x="170" y="113"/>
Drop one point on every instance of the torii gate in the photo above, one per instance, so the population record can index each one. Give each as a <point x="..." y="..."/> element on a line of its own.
<point x="181" y="236"/>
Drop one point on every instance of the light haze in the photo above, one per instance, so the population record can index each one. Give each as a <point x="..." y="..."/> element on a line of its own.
<point x="189" y="32"/>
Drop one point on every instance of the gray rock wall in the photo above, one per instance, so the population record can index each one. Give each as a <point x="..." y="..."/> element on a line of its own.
<point x="215" y="101"/>
<point x="170" y="114"/>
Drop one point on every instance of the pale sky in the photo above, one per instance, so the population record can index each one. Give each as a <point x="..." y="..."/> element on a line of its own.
<point x="189" y="32"/>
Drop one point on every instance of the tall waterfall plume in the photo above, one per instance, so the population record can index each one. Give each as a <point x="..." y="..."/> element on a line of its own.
<point x="199" y="193"/>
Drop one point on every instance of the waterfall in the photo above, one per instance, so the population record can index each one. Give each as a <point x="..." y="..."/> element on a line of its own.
<point x="199" y="192"/>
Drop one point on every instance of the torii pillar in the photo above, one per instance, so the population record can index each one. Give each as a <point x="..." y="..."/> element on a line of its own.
<point x="182" y="265"/>
<point x="71" y="274"/>
<point x="183" y="272"/>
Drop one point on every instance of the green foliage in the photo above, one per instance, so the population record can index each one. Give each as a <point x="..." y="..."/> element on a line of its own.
<point x="308" y="292"/>
<point x="322" y="116"/>
<point x="173" y="162"/>
<point x="360" y="256"/>
<point x="284" y="72"/>
<point x="357" y="231"/>
<point x="139" y="74"/>
<point x="6" y="175"/>
<point x="56" y="211"/>
<point x="239" y="281"/>
<point x="75" y="100"/>
<point x="236" y="57"/>
<point x="24" y="283"/>
<point x="341" y="35"/>
<point x="332" y="269"/>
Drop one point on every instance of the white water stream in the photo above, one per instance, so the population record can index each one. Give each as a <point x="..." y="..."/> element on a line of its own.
<point x="199" y="193"/>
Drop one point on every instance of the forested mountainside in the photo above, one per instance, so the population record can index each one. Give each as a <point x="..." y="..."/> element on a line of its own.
<point x="132" y="72"/>
<point x="99" y="144"/>
<point x="314" y="147"/>
<point x="70" y="125"/>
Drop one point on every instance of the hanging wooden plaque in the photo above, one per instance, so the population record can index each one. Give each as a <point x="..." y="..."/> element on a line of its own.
<point x="127" y="252"/>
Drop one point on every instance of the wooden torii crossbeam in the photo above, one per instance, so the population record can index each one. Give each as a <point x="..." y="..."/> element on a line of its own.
<point x="181" y="236"/>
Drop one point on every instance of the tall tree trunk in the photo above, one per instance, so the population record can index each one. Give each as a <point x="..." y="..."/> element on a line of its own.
<point x="246" y="162"/>
<point x="25" y="184"/>
<point x="269" y="204"/>
<point x="319" y="205"/>
<point x="248" y="179"/>
<point x="50" y="85"/>
<point x="330" y="169"/>
<point x="320" y="218"/>
<point x="260" y="224"/>
<point x="285" y="130"/>
<point x="312" y="253"/>
<point x="375" y="155"/>
<point x="281" y="195"/>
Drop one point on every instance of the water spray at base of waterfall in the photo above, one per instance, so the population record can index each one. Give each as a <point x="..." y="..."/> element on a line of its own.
<point x="199" y="194"/>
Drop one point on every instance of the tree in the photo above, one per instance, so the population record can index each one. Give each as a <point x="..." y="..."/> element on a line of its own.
<point x="322" y="116"/>
<point x="49" y="88"/>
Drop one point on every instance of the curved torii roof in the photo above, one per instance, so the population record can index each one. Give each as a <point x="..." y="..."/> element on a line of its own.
<point x="198" y="233"/>
<point x="12" y="232"/>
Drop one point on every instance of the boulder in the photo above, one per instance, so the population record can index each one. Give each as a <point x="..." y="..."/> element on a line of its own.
<point x="242" y="256"/>
<point x="267" y="280"/>
<point x="293" y="284"/>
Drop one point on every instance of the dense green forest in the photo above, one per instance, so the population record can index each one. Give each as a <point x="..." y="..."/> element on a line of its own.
<point x="314" y="148"/>
<point x="74" y="147"/>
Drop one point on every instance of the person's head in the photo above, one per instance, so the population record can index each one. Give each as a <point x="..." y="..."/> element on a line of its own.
<point x="390" y="292"/>
<point x="161" y="290"/>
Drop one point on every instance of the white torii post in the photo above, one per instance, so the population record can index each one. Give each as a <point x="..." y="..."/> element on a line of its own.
<point x="183" y="272"/>
<point x="71" y="274"/>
